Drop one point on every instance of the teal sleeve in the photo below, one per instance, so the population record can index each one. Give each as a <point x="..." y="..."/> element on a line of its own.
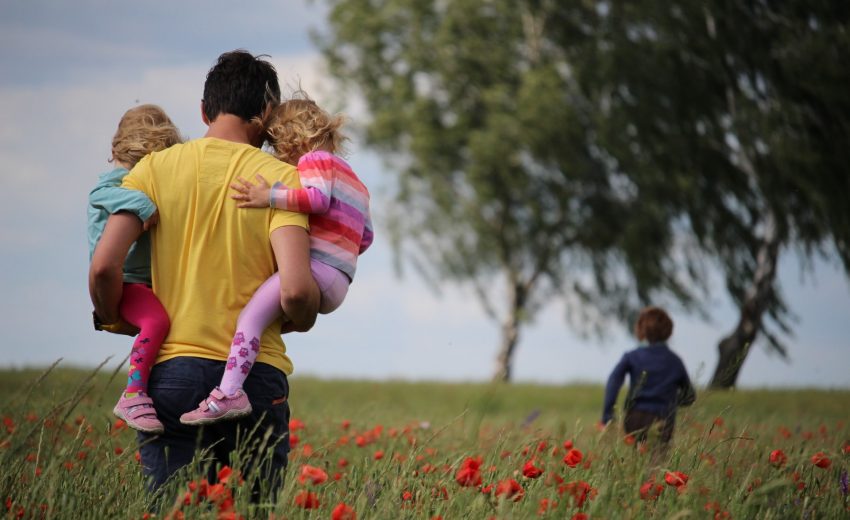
<point x="113" y="199"/>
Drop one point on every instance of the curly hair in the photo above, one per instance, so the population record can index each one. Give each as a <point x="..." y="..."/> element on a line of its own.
<point x="653" y="325"/>
<point x="142" y="130"/>
<point x="298" y="126"/>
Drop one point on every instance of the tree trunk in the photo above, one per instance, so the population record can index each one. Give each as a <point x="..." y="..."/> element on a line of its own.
<point x="734" y="348"/>
<point x="510" y="335"/>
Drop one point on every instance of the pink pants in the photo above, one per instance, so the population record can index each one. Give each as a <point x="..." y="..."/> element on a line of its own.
<point x="140" y="307"/>
<point x="263" y="309"/>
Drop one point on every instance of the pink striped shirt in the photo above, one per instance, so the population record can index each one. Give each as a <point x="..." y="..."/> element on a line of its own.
<point x="338" y="205"/>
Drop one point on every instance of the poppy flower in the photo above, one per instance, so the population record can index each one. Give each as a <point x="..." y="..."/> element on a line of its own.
<point x="820" y="460"/>
<point x="676" y="478"/>
<point x="778" y="458"/>
<point x="529" y="470"/>
<point x="312" y="474"/>
<point x="573" y="458"/>
<point x="343" y="511"/>
<point x="650" y="490"/>
<point x="307" y="500"/>
<point x="568" y="445"/>
<point x="580" y="516"/>
<point x="295" y="425"/>
<point x="469" y="473"/>
<point x="378" y="455"/>
<point x="510" y="489"/>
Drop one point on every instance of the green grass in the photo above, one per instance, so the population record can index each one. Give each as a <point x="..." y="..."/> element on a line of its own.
<point x="64" y="458"/>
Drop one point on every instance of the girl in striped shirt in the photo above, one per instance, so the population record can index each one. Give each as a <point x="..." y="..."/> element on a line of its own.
<point x="340" y="230"/>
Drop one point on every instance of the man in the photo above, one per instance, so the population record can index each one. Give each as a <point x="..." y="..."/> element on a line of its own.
<point x="208" y="257"/>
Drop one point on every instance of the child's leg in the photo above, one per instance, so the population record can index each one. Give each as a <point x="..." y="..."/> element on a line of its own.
<point x="263" y="309"/>
<point x="333" y="285"/>
<point x="140" y="307"/>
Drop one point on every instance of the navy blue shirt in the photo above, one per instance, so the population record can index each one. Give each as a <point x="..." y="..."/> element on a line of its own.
<point x="658" y="382"/>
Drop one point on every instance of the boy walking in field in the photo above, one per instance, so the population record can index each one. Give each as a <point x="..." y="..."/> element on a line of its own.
<point x="658" y="380"/>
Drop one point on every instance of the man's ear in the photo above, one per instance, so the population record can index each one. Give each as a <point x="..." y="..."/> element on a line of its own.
<point x="204" y="117"/>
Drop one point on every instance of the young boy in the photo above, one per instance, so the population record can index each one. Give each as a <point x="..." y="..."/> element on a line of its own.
<point x="658" y="381"/>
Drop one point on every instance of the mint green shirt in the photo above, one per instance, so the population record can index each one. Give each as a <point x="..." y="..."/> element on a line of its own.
<point x="109" y="197"/>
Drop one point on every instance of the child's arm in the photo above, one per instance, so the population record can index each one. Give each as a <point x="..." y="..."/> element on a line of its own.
<point x="317" y="179"/>
<point x="112" y="198"/>
<point x="615" y="382"/>
<point x="687" y="394"/>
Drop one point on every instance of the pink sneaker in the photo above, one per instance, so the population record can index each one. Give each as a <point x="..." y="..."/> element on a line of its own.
<point x="218" y="407"/>
<point x="138" y="413"/>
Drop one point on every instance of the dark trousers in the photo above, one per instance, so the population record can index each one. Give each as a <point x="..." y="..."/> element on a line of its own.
<point x="178" y="385"/>
<point x="638" y="423"/>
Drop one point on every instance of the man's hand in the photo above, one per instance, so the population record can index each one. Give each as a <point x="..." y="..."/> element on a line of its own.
<point x="151" y="221"/>
<point x="121" y="327"/>
<point x="252" y="196"/>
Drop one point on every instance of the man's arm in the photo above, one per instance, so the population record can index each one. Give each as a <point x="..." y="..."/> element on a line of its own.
<point x="299" y="294"/>
<point x="106" y="273"/>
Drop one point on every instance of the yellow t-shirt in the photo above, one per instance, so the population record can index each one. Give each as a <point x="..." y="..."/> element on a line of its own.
<point x="208" y="256"/>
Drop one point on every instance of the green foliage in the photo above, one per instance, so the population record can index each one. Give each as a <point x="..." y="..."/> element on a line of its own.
<point x="67" y="458"/>
<point x="604" y="153"/>
<point x="500" y="181"/>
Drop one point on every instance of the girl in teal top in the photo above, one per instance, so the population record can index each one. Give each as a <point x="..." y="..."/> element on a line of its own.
<point x="142" y="130"/>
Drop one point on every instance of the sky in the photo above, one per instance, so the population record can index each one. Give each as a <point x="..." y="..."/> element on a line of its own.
<point x="68" y="71"/>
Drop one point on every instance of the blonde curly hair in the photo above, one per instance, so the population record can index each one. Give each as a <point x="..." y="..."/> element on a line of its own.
<point x="142" y="130"/>
<point x="298" y="126"/>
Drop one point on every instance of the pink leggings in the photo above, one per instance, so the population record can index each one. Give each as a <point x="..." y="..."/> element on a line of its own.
<point x="140" y="307"/>
<point x="263" y="309"/>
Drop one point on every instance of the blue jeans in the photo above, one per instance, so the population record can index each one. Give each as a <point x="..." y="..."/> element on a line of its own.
<point x="178" y="385"/>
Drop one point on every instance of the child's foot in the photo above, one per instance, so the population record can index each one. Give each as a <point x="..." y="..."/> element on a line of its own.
<point x="218" y="407"/>
<point x="138" y="413"/>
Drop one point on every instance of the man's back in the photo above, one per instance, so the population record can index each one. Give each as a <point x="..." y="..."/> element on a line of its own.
<point x="208" y="256"/>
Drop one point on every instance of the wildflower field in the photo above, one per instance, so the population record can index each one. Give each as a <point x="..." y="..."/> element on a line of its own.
<point x="450" y="451"/>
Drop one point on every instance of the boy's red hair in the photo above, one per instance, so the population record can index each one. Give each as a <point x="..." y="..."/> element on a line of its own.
<point x="653" y="325"/>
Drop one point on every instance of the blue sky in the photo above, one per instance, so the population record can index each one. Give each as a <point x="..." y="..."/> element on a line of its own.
<point x="70" y="69"/>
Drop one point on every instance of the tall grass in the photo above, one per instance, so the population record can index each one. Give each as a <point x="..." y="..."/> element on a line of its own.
<point x="393" y="450"/>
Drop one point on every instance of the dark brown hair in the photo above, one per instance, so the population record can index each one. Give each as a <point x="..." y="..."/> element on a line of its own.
<point x="653" y="325"/>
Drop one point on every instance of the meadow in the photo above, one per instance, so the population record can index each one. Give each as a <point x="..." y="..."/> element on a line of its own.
<point x="426" y="450"/>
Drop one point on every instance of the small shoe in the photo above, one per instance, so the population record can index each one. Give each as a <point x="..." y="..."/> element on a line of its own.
<point x="138" y="412"/>
<point x="218" y="407"/>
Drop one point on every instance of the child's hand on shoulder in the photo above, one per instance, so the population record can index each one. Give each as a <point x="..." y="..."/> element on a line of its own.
<point x="251" y="195"/>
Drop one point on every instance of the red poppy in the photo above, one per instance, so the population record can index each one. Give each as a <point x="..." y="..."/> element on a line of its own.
<point x="820" y="460"/>
<point x="580" y="516"/>
<point x="345" y="425"/>
<point x="846" y="449"/>
<point x="469" y="473"/>
<point x="529" y="470"/>
<point x="650" y="490"/>
<point x="343" y="511"/>
<point x="295" y="425"/>
<point x="572" y="458"/>
<point x="676" y="478"/>
<point x="579" y="490"/>
<point x="312" y="474"/>
<point x="307" y="500"/>
<point x="568" y="445"/>
<point x="378" y="455"/>
<point x="511" y="490"/>
<point x="545" y="505"/>
<point x="778" y="458"/>
<point x="293" y="440"/>
<point x="629" y="440"/>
